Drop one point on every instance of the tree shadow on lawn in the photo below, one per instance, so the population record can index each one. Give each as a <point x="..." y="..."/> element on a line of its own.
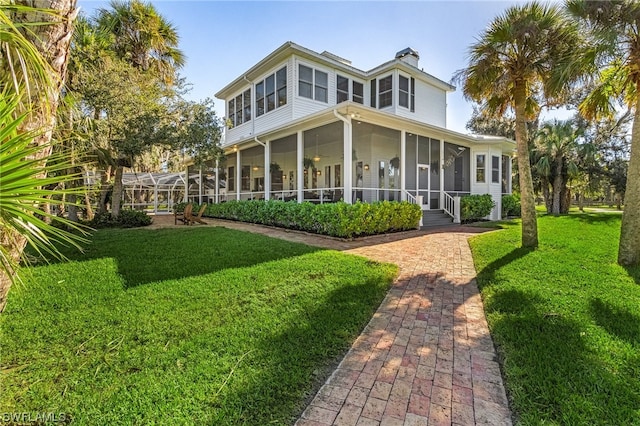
<point x="297" y="360"/>
<point x="488" y="273"/>
<point x="617" y="320"/>
<point x="590" y="218"/>
<point x="144" y="256"/>
<point x="552" y="375"/>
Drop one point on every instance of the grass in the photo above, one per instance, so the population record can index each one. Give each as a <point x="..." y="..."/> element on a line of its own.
<point x="183" y="326"/>
<point x="565" y="319"/>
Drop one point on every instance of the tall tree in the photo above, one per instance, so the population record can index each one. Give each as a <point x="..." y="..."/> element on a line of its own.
<point x="560" y="152"/>
<point x="513" y="66"/>
<point x="33" y="58"/>
<point x="614" y="30"/>
<point x="148" y="42"/>
<point x="143" y="37"/>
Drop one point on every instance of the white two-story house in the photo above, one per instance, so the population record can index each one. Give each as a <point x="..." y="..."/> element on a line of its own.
<point x="309" y="126"/>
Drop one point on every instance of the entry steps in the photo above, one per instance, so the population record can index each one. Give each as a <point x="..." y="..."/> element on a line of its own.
<point x="432" y="218"/>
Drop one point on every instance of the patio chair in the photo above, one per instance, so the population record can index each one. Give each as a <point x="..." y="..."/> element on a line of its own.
<point x="184" y="216"/>
<point x="198" y="218"/>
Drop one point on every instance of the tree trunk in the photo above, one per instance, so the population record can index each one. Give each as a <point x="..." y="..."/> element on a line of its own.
<point x="105" y="187"/>
<point x="547" y="195"/>
<point x="557" y="188"/>
<point x="527" y="198"/>
<point x="581" y="202"/>
<point x="116" y="196"/>
<point x="52" y="41"/>
<point x="629" y="249"/>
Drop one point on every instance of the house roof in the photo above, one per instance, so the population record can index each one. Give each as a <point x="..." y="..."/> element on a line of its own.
<point x="289" y="48"/>
<point x="359" y="112"/>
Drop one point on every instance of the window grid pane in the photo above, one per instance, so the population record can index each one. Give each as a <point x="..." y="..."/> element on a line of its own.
<point x="259" y="99"/>
<point x="495" y="169"/>
<point x="385" y="97"/>
<point x="358" y="92"/>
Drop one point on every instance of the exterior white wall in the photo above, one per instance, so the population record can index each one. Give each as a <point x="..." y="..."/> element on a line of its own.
<point x="431" y="104"/>
<point x="488" y="187"/>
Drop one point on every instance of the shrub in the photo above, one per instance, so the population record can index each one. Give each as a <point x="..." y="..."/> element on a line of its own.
<point x="126" y="219"/>
<point x="510" y="205"/>
<point x="475" y="207"/>
<point x="334" y="219"/>
<point x="133" y="218"/>
<point x="103" y="220"/>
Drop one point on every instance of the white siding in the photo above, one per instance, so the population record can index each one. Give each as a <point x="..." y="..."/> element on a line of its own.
<point x="431" y="104"/>
<point x="488" y="187"/>
<point x="305" y="106"/>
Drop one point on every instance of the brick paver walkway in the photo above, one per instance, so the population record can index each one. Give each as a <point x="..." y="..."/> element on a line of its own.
<point x="426" y="357"/>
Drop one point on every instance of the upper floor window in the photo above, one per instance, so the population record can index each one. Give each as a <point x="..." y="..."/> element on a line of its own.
<point x="407" y="92"/>
<point x="385" y="91"/>
<point x="403" y="91"/>
<point x="313" y="84"/>
<point x="239" y="109"/>
<point x="271" y="92"/>
<point x="342" y="90"/>
<point x="357" y="92"/>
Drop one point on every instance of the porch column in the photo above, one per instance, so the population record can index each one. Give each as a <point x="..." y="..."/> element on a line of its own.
<point x="267" y="170"/>
<point x="403" y="168"/>
<point x="185" y="198"/>
<point x="300" y="160"/>
<point x="200" y="185"/>
<point x="347" y="144"/>
<point x="441" y="165"/>
<point x="238" y="174"/>
<point x="217" y="189"/>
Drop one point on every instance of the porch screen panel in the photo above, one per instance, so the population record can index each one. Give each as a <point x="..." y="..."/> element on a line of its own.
<point x="411" y="163"/>
<point x="283" y="165"/>
<point x="434" y="170"/>
<point x="423" y="150"/>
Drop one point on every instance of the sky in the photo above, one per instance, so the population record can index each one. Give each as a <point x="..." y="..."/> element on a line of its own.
<point x="223" y="39"/>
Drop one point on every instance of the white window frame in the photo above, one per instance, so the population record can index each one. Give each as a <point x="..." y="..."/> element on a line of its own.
<point x="314" y="83"/>
<point x="263" y="81"/>
<point x="379" y="92"/>
<point x="497" y="181"/>
<point x="476" y="168"/>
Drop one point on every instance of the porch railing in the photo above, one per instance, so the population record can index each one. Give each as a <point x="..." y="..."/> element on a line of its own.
<point x="452" y="206"/>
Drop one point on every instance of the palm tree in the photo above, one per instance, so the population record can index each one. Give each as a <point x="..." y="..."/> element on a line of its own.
<point x="614" y="30"/>
<point x="511" y="67"/>
<point x="143" y="37"/>
<point x="148" y="42"/>
<point x="557" y="152"/>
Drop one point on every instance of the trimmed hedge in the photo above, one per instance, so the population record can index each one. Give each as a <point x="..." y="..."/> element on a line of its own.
<point x="334" y="219"/>
<point x="475" y="207"/>
<point x="126" y="219"/>
<point x="510" y="205"/>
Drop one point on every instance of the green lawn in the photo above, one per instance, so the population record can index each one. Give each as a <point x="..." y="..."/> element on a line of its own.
<point x="183" y="326"/>
<point x="566" y="320"/>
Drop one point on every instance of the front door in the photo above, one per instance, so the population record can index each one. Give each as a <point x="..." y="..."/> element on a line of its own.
<point x="423" y="184"/>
